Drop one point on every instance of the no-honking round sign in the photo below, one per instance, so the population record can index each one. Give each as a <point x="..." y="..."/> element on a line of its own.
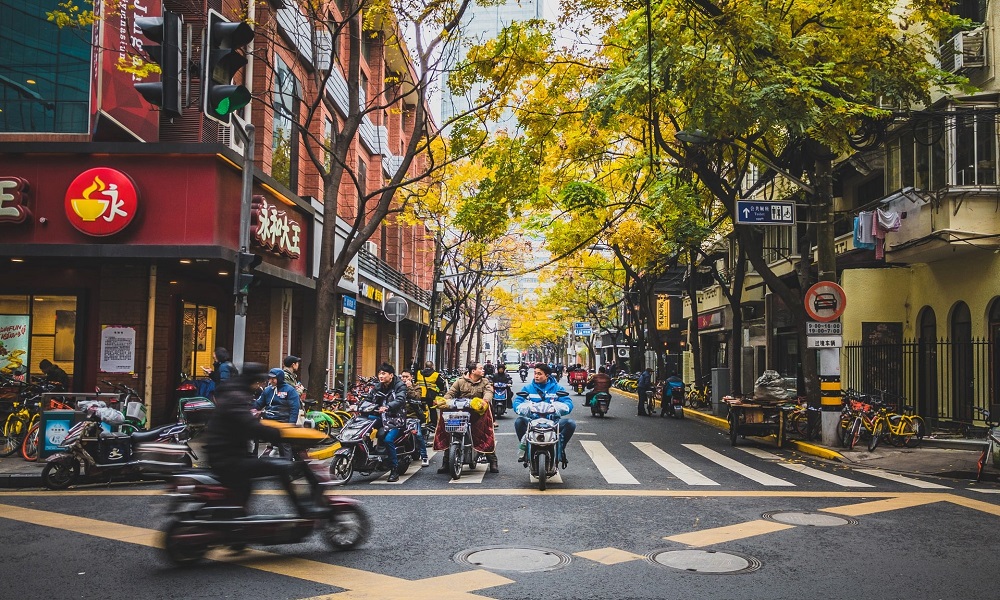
<point x="825" y="301"/>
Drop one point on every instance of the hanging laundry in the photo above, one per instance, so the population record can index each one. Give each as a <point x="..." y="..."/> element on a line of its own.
<point x="863" y="231"/>
<point x="883" y="221"/>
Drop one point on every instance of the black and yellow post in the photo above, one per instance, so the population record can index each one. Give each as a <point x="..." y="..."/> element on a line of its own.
<point x="829" y="387"/>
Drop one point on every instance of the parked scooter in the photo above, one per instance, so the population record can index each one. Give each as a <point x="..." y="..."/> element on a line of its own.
<point x="107" y="455"/>
<point x="500" y="392"/>
<point x="204" y="513"/>
<point x="542" y="454"/>
<point x="359" y="452"/>
<point x="672" y="401"/>
<point x="457" y="423"/>
<point x="600" y="403"/>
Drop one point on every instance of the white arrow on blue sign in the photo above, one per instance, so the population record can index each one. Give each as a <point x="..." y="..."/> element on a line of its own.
<point x="754" y="212"/>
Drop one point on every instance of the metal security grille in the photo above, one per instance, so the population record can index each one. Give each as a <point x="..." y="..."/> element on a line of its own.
<point x="943" y="379"/>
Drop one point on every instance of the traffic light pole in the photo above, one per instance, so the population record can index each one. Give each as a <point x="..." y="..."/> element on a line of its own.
<point x="246" y="196"/>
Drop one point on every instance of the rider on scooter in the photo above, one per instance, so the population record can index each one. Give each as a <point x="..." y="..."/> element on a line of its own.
<point x="542" y="384"/>
<point x="599" y="382"/>
<point x="229" y="430"/>
<point x="501" y="376"/>
<point x="390" y="398"/>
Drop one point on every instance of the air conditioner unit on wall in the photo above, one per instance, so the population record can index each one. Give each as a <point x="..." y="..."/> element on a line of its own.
<point x="966" y="50"/>
<point x="371" y="247"/>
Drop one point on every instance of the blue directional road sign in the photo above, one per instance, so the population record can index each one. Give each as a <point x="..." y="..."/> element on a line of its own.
<point x="752" y="212"/>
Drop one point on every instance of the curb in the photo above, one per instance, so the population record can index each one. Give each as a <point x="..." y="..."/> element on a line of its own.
<point x="720" y="423"/>
<point x="20" y="480"/>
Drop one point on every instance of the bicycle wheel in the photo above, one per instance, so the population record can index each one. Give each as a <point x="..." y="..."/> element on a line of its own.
<point x="919" y="430"/>
<point x="878" y="430"/>
<point x="29" y="447"/>
<point x="11" y="441"/>
<point x="855" y="433"/>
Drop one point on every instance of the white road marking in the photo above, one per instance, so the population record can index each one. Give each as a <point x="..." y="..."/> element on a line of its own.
<point x="803" y="469"/>
<point x="982" y="491"/>
<point x="906" y="480"/>
<point x="738" y="467"/>
<point x="612" y="470"/>
<point x="413" y="470"/>
<point x="676" y="467"/>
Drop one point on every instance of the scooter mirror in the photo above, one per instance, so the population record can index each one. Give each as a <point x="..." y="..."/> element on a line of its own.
<point x="522" y="394"/>
<point x="562" y="394"/>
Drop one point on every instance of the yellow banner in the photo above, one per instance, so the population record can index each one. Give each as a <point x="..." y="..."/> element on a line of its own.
<point x="662" y="312"/>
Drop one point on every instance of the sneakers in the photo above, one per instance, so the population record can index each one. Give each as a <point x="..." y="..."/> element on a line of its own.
<point x="424" y="462"/>
<point x="521" y="452"/>
<point x="393" y="476"/>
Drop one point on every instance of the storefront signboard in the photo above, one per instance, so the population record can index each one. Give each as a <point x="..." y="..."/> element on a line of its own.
<point x="710" y="320"/>
<point x="117" y="349"/>
<point x="662" y="312"/>
<point x="14" y="360"/>
<point x="101" y="201"/>
<point x="274" y="229"/>
<point x="13" y="200"/>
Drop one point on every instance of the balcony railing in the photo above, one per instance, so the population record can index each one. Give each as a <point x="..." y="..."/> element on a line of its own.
<point x="375" y="268"/>
<point x="933" y="228"/>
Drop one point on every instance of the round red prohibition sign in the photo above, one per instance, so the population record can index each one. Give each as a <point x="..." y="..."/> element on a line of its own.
<point x="101" y="201"/>
<point x="825" y="301"/>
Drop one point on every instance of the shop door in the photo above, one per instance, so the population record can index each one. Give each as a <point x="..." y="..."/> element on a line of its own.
<point x="198" y="332"/>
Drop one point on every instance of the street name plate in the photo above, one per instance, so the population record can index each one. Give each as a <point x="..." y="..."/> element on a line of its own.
<point x="824" y="341"/>
<point x="818" y="328"/>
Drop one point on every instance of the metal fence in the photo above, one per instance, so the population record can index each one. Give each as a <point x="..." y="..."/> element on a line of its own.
<point x="943" y="379"/>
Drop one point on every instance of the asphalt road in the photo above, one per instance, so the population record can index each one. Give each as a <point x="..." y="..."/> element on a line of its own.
<point x="648" y="508"/>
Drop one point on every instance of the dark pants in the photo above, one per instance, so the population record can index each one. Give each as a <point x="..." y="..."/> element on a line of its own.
<point x="643" y="397"/>
<point x="237" y="474"/>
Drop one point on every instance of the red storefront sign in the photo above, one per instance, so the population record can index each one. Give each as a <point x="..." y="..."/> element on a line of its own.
<point x="101" y="201"/>
<point x="710" y="320"/>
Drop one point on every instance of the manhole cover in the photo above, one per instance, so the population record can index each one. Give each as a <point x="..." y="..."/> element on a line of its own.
<point x="522" y="560"/>
<point x="706" y="561"/>
<point x="808" y="518"/>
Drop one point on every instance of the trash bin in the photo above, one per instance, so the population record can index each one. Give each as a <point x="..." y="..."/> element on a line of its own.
<point x="720" y="388"/>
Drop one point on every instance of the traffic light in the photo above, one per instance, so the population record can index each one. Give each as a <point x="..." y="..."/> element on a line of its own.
<point x="166" y="30"/>
<point x="220" y="61"/>
<point x="246" y="264"/>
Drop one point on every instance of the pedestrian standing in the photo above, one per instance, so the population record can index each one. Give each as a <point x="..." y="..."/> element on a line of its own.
<point x="643" y="388"/>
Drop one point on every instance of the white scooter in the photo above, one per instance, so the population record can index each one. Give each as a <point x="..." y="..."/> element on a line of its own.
<point x="542" y="453"/>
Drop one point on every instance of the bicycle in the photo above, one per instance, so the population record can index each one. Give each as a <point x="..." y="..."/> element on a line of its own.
<point x="900" y="429"/>
<point x="132" y="405"/>
<point x="698" y="397"/>
<point x="992" y="447"/>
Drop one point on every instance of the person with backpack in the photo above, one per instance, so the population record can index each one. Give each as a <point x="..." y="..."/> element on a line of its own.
<point x="431" y="385"/>
<point x="280" y="402"/>
<point x="643" y="387"/>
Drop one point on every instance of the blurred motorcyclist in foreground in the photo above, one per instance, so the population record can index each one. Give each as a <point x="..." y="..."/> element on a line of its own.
<point x="229" y="430"/>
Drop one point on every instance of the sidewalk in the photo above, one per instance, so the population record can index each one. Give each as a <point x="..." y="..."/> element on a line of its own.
<point x="939" y="456"/>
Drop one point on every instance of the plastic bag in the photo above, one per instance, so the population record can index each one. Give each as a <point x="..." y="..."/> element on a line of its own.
<point x="770" y="386"/>
<point x="110" y="415"/>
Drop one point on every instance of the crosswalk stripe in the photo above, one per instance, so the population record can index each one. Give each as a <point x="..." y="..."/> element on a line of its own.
<point x="927" y="485"/>
<point x="612" y="470"/>
<point x="470" y="476"/>
<point x="803" y="469"/>
<point x="737" y="467"/>
<point x="676" y="467"/>
<point x="413" y="470"/>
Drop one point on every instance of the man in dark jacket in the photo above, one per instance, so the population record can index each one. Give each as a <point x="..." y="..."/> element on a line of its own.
<point x="390" y="398"/>
<point x="599" y="382"/>
<point x="280" y="402"/>
<point x="232" y="426"/>
<point x="643" y="387"/>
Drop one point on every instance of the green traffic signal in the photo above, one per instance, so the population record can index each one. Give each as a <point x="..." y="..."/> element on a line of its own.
<point x="221" y="61"/>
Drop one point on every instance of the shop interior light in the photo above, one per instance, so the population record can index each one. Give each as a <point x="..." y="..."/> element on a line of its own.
<point x="174" y="282"/>
<point x="185" y="261"/>
<point x="17" y="260"/>
<point x="223" y="272"/>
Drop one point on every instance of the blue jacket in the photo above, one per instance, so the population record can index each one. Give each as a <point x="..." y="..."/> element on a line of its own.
<point x="280" y="403"/>
<point x="550" y="387"/>
<point x="643" y="380"/>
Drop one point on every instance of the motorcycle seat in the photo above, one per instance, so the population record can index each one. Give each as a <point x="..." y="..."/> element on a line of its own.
<point x="148" y="436"/>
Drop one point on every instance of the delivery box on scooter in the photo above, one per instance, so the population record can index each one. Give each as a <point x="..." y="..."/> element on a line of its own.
<point x="114" y="448"/>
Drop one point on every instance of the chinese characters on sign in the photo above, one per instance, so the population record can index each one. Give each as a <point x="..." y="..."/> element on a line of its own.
<point x="117" y="349"/>
<point x="764" y="213"/>
<point x="273" y="229"/>
<point x="101" y="201"/>
<point x="824" y="341"/>
<point x="662" y="312"/>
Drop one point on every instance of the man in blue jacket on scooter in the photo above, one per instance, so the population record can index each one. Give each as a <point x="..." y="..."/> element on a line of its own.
<point x="544" y="383"/>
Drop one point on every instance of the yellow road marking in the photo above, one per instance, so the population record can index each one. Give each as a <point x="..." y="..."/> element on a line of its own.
<point x="868" y="508"/>
<point x="974" y="504"/>
<point x="373" y="585"/>
<point x="720" y="535"/>
<point x="608" y="556"/>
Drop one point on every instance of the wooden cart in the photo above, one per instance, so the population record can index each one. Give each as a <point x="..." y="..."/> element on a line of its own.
<point x="754" y="417"/>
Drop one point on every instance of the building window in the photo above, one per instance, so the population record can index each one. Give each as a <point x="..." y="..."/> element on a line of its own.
<point x="916" y="158"/>
<point x="34" y="328"/>
<point x="44" y="71"/>
<point x="284" y="145"/>
<point x="198" y="339"/>
<point x="975" y="146"/>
